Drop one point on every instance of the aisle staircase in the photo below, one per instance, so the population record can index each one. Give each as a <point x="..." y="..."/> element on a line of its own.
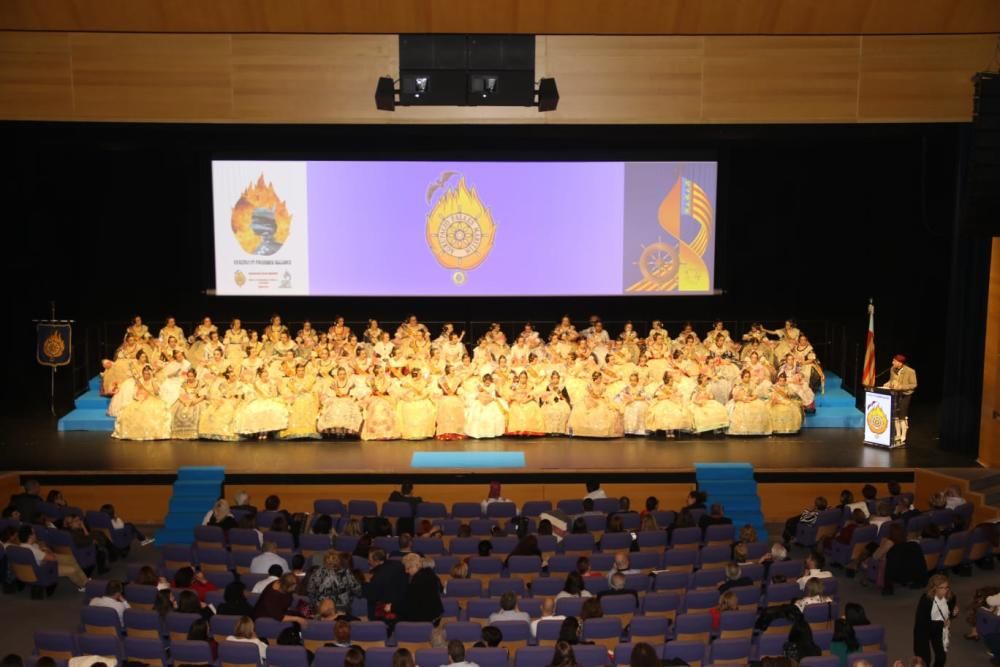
<point x="195" y="492"/>
<point x="90" y="412"/>
<point x="733" y="485"/>
<point x="836" y="408"/>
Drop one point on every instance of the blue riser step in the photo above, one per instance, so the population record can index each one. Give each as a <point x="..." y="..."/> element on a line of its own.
<point x="734" y="487"/>
<point x="838" y="400"/>
<point x="92" y="400"/>
<point x="94" y="384"/>
<point x="835" y="418"/>
<point x="194" y="493"/>
<point x="87" y="420"/>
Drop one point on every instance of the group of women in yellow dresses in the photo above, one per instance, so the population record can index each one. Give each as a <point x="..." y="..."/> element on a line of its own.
<point x="407" y="385"/>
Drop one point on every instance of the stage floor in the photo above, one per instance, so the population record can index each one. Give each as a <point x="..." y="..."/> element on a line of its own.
<point x="35" y="445"/>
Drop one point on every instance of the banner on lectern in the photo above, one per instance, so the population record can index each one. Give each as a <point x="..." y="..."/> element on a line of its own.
<point x="878" y="419"/>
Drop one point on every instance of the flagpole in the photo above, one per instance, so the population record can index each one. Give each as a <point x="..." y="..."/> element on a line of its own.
<point x="52" y="375"/>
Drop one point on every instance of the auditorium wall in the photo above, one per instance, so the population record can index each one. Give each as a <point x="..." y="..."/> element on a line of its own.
<point x="302" y="78"/>
<point x="989" y="422"/>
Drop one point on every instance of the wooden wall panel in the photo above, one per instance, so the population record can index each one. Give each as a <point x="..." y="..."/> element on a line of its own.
<point x="35" y="75"/>
<point x="152" y="77"/>
<point x="632" y="79"/>
<point x="780" y="79"/>
<point x="989" y="423"/>
<point x="905" y="78"/>
<point x="601" y="17"/>
<point x="602" y="79"/>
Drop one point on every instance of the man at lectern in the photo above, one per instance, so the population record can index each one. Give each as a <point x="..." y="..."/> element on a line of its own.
<point x="903" y="380"/>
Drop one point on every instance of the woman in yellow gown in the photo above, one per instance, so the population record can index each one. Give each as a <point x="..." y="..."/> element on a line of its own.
<point x="785" y="407"/>
<point x="416" y="413"/>
<point x="264" y="412"/>
<point x="634" y="404"/>
<point x="450" y="406"/>
<point x="123" y="391"/>
<point x="235" y="341"/>
<point x="555" y="406"/>
<point x="303" y="406"/>
<point x="707" y="414"/>
<point x="379" y="412"/>
<point x="630" y="343"/>
<point x="147" y="416"/>
<point x="486" y="412"/>
<point x="186" y="412"/>
<point x="667" y="411"/>
<point x="595" y="416"/>
<point x="199" y="339"/>
<point x="524" y="417"/>
<point x="340" y="415"/>
<point x="748" y="415"/>
<point x="120" y="369"/>
<point x="224" y="397"/>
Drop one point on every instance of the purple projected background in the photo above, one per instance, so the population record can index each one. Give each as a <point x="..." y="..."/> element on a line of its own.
<point x="561" y="228"/>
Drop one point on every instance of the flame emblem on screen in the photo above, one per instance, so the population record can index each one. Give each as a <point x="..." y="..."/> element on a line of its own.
<point x="261" y="221"/>
<point x="460" y="230"/>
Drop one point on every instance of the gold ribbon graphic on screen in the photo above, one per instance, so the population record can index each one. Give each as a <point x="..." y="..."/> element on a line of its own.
<point x="677" y="264"/>
<point x="460" y="229"/>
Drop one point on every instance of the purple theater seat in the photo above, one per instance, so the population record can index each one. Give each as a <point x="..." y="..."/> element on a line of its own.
<point x="100" y="645"/>
<point x="100" y="621"/>
<point x="591" y="656"/>
<point x="747" y="596"/>
<point x="688" y="651"/>
<point x="595" y="585"/>
<point x="622" y="607"/>
<point x="772" y="645"/>
<point x="143" y="623"/>
<point x="148" y="651"/>
<point x="595" y="523"/>
<point x="501" y="510"/>
<point x="175" y="556"/>
<point x="547" y="632"/>
<point x="578" y="545"/>
<point x="466" y="511"/>
<point x="368" y="633"/>
<point x="185" y="652"/>
<point x="329" y="656"/>
<point x="481" y="608"/>
<point x="671" y="581"/>
<point x="822" y="661"/>
<point x="239" y="653"/>
<point x="527" y="568"/>
<point x="663" y="605"/>
<point x="808" y="535"/>
<point x="714" y="557"/>
<point x="606" y="631"/>
<point x="179" y="623"/>
<point x="413" y="635"/>
<point x="569" y="606"/>
<point x="317" y="633"/>
<point x="210" y="537"/>
<point x="933" y="549"/>
<point x="516" y="634"/>
<point x="720" y="535"/>
<point x="464" y="546"/>
<point x="531" y="606"/>
<point x="693" y="627"/>
<point x="790" y="569"/>
<point x="707" y="579"/>
<point x="359" y="509"/>
<point x="611" y="542"/>
<point x="310" y="545"/>
<point x="269" y="628"/>
<point x="485" y="567"/>
<point x="431" y="511"/>
<point x="842" y="554"/>
<point x="781" y="594"/>
<point x="431" y="657"/>
<point x="54" y="644"/>
<point x="62" y="542"/>
<point x="244" y="539"/>
<point x="650" y="629"/>
<point x="498" y="587"/>
<point x="640" y="583"/>
<point x="680" y="560"/>
<point x="464" y="588"/>
<point x="532" y="656"/>
<point x="534" y="508"/>
<point x="753" y="571"/>
<point x="696" y="602"/>
<point x="488" y="657"/>
<point x="466" y="632"/>
<point x="685" y="538"/>
<point x="724" y="651"/>
<point x="429" y="546"/>
<point x="871" y="637"/>
<point x="374" y="657"/>
<point x="547" y="586"/>
<point x="329" y="506"/>
<point x="647" y="561"/>
<point x="140" y="596"/>
<point x="503" y="545"/>
<point x="737" y="624"/>
<point x="571" y="507"/>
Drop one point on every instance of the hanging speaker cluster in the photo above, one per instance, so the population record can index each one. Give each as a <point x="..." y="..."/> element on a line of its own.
<point x="466" y="70"/>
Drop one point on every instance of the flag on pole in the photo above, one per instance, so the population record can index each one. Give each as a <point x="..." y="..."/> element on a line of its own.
<point x="868" y="376"/>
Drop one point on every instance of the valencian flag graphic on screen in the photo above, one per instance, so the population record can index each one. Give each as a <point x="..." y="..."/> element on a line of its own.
<point x="384" y="228"/>
<point x="55" y="344"/>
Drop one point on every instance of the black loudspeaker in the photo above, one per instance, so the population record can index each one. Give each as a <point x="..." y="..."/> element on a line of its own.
<point x="385" y="94"/>
<point x="548" y="95"/>
<point x="981" y="214"/>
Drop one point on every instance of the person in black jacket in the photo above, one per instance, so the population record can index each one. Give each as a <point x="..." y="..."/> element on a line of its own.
<point x="936" y="608"/>
<point x="27" y="502"/>
<point x="235" y="600"/>
<point x="422" y="599"/>
<point x="386" y="584"/>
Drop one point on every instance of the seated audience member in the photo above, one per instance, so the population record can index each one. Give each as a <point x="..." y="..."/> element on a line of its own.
<point x="734" y="578"/>
<point x="727" y="602"/>
<point x="846" y="533"/>
<point x="846" y="498"/>
<point x="276" y="600"/>
<point x="800" y="643"/>
<point x="652" y="505"/>
<point x="489" y="637"/>
<point x="695" y="500"/>
<point x="953" y="498"/>
<point x="113" y="598"/>
<point x="187" y="578"/>
<point x="341" y="635"/>
<point x="405" y="495"/>
<point x="684" y="519"/>
<point x="508" y="610"/>
<point x="164" y="603"/>
<point x="548" y="613"/>
<point x="855" y="614"/>
<point x="588" y="509"/>
<point x="807" y="517"/>
<point x="625" y="505"/>
<point x="563" y="656"/>
<point x="234" y="600"/>
<point x="403" y="658"/>
<point x="267" y="558"/>
<point x="622" y="565"/>
<point x="119" y="523"/>
<point x="740" y="553"/>
<point x="583" y="568"/>
<point x="982" y="599"/>
<point x="273" y="574"/>
<point x="528" y="546"/>
<point x="355" y="657"/>
<point x="365" y="543"/>
<point x="494" y="496"/>
<point x="245" y="632"/>
<point x="188" y="603"/>
<point x="427" y="528"/>
<point x="220" y="516"/>
<point x="594" y="490"/>
<point x="242" y="503"/>
<point x="591" y="608"/>
<point x="85" y="539"/>
<point x="334" y="580"/>
<point x="201" y="632"/>
<point x="573" y="588"/>
<point x="844" y="641"/>
<point x="439" y="637"/>
<point x="579" y="526"/>
<point x="570" y="630"/>
<point x="323" y="525"/>
<point x="484" y="548"/>
<point x="715" y="517"/>
<point x="147" y="576"/>
<point x="456" y="655"/>
<point x="618" y="588"/>
<point x="67" y="565"/>
<point x="814" y="594"/>
<point x="405" y="541"/>
<point x="883" y="514"/>
<point x="815" y="562"/>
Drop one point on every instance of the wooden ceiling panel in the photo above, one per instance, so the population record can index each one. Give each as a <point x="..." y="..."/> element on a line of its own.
<point x="36" y="80"/>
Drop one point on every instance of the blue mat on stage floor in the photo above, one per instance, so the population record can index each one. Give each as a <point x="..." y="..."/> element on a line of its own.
<point x="467" y="460"/>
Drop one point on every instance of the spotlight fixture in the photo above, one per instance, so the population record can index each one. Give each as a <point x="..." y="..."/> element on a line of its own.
<point x="420" y="86"/>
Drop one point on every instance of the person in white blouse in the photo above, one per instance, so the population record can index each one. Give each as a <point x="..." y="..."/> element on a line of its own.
<point x="113" y="598"/>
<point x="244" y="632"/>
